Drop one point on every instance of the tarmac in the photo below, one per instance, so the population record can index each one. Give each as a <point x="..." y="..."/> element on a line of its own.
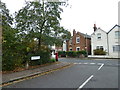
<point x="16" y="76"/>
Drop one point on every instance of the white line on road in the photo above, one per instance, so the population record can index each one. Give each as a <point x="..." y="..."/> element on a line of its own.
<point x="85" y="82"/>
<point x="85" y="63"/>
<point x="75" y="63"/>
<point x="100" y="66"/>
<point x="92" y="63"/>
<point x="99" y="63"/>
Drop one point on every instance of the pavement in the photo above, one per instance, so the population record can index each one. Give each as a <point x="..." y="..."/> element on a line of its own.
<point x="11" y="77"/>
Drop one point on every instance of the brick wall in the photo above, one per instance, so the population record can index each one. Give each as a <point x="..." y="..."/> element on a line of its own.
<point x="82" y="44"/>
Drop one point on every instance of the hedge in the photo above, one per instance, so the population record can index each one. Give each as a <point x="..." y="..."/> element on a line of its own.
<point x="62" y="53"/>
<point x="10" y="61"/>
<point x="99" y="52"/>
<point x="72" y="53"/>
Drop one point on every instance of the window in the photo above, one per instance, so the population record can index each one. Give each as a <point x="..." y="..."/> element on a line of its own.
<point x="97" y="47"/>
<point x="116" y="48"/>
<point x="99" y="36"/>
<point x="77" y="39"/>
<point x="70" y="49"/>
<point x="77" y="48"/>
<point x="100" y="47"/>
<point x="117" y="34"/>
<point x="70" y="42"/>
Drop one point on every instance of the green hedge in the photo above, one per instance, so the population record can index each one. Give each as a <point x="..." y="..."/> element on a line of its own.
<point x="99" y="52"/>
<point x="72" y="53"/>
<point x="10" y="60"/>
<point x="62" y="53"/>
<point x="44" y="57"/>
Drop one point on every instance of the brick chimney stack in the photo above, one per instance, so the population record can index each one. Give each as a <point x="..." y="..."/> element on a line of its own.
<point x="95" y="28"/>
<point x="74" y="32"/>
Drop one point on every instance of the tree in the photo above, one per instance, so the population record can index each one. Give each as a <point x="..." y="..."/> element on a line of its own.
<point x="40" y="20"/>
<point x="10" y="57"/>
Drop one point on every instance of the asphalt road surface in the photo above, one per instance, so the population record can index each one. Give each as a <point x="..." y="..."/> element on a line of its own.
<point x="83" y="74"/>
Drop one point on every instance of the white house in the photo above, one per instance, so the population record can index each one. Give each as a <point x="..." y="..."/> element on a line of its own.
<point x="114" y="42"/>
<point x="99" y="40"/>
<point x="108" y="41"/>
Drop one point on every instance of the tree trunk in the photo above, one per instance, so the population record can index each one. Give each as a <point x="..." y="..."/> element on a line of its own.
<point x="40" y="38"/>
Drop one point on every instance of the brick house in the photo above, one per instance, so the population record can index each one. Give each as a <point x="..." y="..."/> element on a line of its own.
<point x="79" y="41"/>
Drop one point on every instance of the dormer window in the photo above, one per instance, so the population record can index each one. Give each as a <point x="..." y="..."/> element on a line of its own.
<point x="77" y="39"/>
<point x="99" y="36"/>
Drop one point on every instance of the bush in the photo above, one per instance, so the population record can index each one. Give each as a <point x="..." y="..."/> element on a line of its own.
<point x="62" y="53"/>
<point x="99" y="52"/>
<point x="79" y="53"/>
<point x="44" y="54"/>
<point x="71" y="53"/>
<point x="10" y="61"/>
<point x="52" y="60"/>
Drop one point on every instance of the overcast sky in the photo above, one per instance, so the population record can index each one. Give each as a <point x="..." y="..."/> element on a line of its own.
<point x="81" y="14"/>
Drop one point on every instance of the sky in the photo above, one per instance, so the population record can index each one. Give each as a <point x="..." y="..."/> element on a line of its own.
<point x="81" y="15"/>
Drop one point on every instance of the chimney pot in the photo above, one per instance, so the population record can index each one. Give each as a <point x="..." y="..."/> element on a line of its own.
<point x="95" y="28"/>
<point x="74" y="32"/>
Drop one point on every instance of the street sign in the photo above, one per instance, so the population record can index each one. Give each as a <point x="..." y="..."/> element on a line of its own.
<point x="35" y="57"/>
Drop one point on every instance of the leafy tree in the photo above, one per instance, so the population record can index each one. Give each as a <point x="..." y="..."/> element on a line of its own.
<point x="40" y="20"/>
<point x="10" y="55"/>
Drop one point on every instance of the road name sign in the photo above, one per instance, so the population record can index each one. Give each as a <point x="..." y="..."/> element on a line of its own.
<point x="35" y="57"/>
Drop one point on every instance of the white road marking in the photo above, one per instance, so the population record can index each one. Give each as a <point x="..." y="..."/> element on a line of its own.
<point x="85" y="82"/>
<point x="100" y="63"/>
<point x="75" y="63"/>
<point x="85" y="63"/>
<point x="100" y="66"/>
<point x="92" y="63"/>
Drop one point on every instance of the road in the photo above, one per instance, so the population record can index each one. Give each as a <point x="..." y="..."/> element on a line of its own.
<point x="83" y="74"/>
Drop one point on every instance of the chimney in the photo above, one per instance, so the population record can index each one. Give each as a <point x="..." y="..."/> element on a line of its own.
<point x="95" y="28"/>
<point x="74" y="32"/>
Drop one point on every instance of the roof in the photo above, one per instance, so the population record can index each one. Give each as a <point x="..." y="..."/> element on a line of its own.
<point x="113" y="28"/>
<point x="97" y="30"/>
<point x="85" y="35"/>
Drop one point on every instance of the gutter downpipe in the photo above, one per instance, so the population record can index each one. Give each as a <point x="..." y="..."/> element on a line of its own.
<point x="107" y="43"/>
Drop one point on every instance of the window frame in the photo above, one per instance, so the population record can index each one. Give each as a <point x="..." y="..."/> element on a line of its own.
<point x="117" y="34"/>
<point x="77" y="48"/>
<point x="99" y="36"/>
<point x="100" y="47"/>
<point x="70" y="49"/>
<point x="116" y="48"/>
<point x="77" y="39"/>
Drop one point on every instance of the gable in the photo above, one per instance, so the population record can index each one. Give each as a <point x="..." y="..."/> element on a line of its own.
<point x="113" y="28"/>
<point x="98" y="31"/>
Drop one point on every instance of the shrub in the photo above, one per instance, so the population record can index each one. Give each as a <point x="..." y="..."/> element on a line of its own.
<point x="71" y="53"/>
<point x="52" y="60"/>
<point x="83" y="52"/>
<point x="44" y="54"/>
<point x="99" y="52"/>
<point x="62" y="53"/>
<point x="10" y="61"/>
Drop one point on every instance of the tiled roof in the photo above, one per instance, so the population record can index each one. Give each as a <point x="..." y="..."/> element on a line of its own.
<point x="88" y="36"/>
